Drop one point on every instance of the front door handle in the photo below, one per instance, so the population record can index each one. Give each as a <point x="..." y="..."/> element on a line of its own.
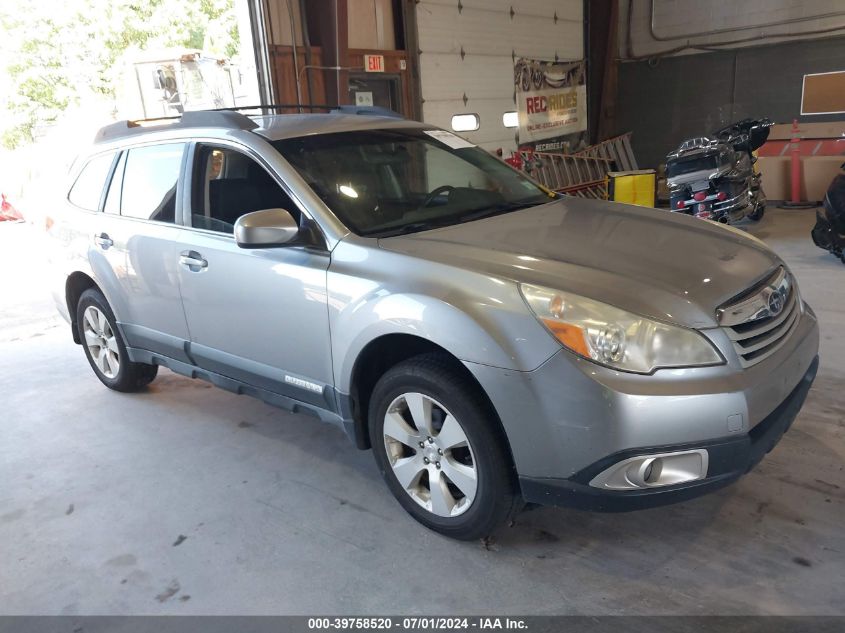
<point x="193" y="260"/>
<point x="103" y="240"/>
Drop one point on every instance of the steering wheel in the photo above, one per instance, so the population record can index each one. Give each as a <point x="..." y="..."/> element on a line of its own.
<point x="434" y="193"/>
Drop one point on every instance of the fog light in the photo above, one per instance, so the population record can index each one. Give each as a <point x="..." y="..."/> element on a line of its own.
<point x="652" y="471"/>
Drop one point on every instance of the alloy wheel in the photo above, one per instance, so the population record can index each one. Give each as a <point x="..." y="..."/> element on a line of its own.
<point x="430" y="454"/>
<point x="100" y="341"/>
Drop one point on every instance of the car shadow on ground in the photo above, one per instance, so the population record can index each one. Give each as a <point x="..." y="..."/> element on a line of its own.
<point x="737" y="527"/>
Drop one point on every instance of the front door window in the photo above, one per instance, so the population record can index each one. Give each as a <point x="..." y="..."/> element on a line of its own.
<point x="229" y="184"/>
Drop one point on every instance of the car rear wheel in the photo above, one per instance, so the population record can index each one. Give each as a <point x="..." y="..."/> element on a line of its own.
<point x="104" y="346"/>
<point x="439" y="448"/>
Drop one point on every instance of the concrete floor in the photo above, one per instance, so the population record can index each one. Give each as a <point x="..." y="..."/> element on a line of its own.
<point x="190" y="500"/>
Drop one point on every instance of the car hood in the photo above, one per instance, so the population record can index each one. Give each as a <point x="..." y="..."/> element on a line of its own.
<point x="664" y="265"/>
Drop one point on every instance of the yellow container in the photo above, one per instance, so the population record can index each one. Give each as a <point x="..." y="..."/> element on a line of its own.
<point x="632" y="187"/>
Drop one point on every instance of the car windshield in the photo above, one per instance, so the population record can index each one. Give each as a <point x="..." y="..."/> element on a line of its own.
<point x="391" y="182"/>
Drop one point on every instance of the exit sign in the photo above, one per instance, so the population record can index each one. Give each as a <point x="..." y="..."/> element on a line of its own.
<point x="374" y="63"/>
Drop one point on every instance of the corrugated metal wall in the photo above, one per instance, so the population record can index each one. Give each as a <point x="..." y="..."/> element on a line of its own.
<point x="467" y="49"/>
<point x="683" y="22"/>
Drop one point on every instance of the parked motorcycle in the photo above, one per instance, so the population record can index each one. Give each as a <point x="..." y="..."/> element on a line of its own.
<point x="715" y="177"/>
<point x="829" y="231"/>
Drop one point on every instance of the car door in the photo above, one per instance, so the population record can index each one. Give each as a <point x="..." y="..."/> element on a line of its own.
<point x="256" y="315"/>
<point x="136" y="249"/>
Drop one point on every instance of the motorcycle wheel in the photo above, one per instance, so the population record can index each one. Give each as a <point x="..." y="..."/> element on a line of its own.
<point x="757" y="214"/>
<point x="526" y="79"/>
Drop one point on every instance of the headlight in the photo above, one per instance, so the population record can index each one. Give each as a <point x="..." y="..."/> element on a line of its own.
<point x="616" y="338"/>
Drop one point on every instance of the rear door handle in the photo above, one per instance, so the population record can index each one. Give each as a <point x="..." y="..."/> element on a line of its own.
<point x="103" y="240"/>
<point x="192" y="260"/>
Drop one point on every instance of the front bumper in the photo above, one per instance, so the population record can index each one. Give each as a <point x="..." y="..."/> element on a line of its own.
<point x="729" y="459"/>
<point x="570" y="417"/>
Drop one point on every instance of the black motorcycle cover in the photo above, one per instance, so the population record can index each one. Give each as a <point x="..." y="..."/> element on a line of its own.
<point x="834" y="204"/>
<point x="821" y="233"/>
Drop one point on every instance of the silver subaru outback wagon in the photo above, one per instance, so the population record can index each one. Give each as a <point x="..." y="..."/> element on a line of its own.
<point x="492" y="342"/>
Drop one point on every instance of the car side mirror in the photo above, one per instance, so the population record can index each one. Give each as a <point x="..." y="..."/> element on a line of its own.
<point x="265" y="228"/>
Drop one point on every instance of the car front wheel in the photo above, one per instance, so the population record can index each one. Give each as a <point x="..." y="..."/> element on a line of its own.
<point x="104" y="346"/>
<point x="440" y="449"/>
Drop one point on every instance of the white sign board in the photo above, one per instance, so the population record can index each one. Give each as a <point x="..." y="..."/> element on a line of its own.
<point x="363" y="98"/>
<point x="551" y="99"/>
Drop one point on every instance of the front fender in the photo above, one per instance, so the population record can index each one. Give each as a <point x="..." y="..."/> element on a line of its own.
<point x="477" y="318"/>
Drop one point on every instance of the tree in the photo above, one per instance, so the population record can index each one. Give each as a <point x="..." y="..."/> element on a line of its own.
<point x="60" y="53"/>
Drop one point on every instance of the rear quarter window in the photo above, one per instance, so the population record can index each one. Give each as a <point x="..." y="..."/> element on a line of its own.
<point x="88" y="188"/>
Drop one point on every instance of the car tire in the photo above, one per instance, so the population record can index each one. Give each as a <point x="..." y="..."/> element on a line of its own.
<point x="454" y="473"/>
<point x="104" y="346"/>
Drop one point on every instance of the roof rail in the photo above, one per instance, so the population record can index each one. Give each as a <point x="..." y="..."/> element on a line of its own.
<point x="230" y="118"/>
<point x="339" y="109"/>
<point x="198" y="118"/>
<point x="285" y="106"/>
<point x="368" y="111"/>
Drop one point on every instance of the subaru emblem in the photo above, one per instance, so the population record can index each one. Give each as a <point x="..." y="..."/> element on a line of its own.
<point x="775" y="303"/>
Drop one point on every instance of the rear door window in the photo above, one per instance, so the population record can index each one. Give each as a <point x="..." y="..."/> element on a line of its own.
<point x="88" y="188"/>
<point x="150" y="181"/>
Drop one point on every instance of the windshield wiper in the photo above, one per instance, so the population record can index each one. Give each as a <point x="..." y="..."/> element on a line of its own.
<point x="451" y="220"/>
<point x="497" y="210"/>
<point x="413" y="227"/>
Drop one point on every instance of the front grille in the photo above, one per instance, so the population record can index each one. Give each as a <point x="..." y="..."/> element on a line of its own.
<point x="755" y="332"/>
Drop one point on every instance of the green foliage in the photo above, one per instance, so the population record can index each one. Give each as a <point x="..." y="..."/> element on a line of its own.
<point x="57" y="54"/>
